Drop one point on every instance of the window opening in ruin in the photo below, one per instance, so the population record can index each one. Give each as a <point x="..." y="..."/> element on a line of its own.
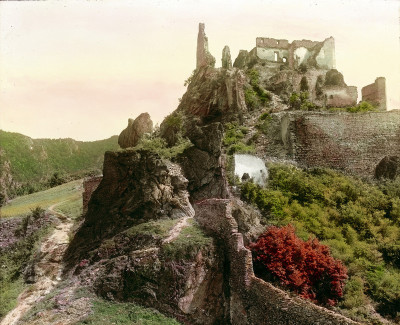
<point x="276" y="56"/>
<point x="284" y="59"/>
<point x="277" y="42"/>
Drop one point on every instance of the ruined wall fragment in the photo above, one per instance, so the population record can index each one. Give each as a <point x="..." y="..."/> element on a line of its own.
<point x="318" y="54"/>
<point x="352" y="142"/>
<point x="226" y="58"/>
<point x="204" y="57"/>
<point x="375" y="93"/>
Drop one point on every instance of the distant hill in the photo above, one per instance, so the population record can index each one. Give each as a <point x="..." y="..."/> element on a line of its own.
<point x="26" y="164"/>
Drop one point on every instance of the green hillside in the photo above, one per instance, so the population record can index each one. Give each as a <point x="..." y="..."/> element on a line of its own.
<point x="67" y="198"/>
<point x="32" y="161"/>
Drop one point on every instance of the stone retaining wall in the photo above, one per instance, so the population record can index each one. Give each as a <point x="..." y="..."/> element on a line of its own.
<point x="252" y="300"/>
<point x="351" y="142"/>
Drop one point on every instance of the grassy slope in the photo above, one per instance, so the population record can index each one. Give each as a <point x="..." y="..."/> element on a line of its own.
<point x="68" y="194"/>
<point x="106" y="312"/>
<point x="68" y="198"/>
<point x="36" y="159"/>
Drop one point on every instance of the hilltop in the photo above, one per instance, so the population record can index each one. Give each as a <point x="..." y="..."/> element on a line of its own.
<point x="276" y="141"/>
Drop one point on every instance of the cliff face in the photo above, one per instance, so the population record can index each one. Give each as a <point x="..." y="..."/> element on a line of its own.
<point x="215" y="94"/>
<point x="137" y="186"/>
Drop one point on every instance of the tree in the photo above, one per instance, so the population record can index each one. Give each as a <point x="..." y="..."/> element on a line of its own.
<point x="305" y="267"/>
<point x="56" y="180"/>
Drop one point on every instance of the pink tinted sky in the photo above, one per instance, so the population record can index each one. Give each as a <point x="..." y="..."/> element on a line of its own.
<point x="81" y="69"/>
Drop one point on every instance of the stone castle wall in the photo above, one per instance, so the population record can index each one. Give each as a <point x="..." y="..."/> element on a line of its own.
<point x="351" y="142"/>
<point x="89" y="186"/>
<point x="252" y="300"/>
<point x="375" y="93"/>
<point x="298" y="52"/>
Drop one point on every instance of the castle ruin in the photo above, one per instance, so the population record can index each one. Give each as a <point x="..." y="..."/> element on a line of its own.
<point x="286" y="63"/>
<point x="375" y="93"/>
<point x="318" y="54"/>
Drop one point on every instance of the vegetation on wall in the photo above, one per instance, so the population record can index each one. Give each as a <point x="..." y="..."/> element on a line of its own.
<point x="155" y="143"/>
<point x="300" y="101"/>
<point x="360" y="222"/>
<point x="233" y="140"/>
<point x="362" y="107"/>
<point x="256" y="96"/>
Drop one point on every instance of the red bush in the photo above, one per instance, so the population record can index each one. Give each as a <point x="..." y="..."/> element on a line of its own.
<point x="305" y="267"/>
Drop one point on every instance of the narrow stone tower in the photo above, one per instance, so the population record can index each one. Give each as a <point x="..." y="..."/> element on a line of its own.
<point x="203" y="56"/>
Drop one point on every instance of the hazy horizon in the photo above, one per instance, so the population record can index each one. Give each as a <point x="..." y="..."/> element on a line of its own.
<point x="79" y="70"/>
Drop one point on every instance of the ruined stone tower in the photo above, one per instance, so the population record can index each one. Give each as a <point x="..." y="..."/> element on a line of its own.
<point x="375" y="93"/>
<point x="203" y="56"/>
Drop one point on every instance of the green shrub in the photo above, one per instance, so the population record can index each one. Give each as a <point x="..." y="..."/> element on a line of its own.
<point x="158" y="145"/>
<point x="263" y="122"/>
<point x="233" y="139"/>
<point x="359" y="221"/>
<point x="256" y="95"/>
<point x="300" y="101"/>
<point x="251" y="99"/>
<point x="363" y="107"/>
<point x="188" y="244"/>
<point x="111" y="312"/>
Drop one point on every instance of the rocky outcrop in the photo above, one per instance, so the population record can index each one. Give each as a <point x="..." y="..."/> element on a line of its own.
<point x="132" y="245"/>
<point x="135" y="130"/>
<point x="137" y="186"/>
<point x="226" y="58"/>
<point x="89" y="186"/>
<point x="244" y="59"/>
<point x="202" y="163"/>
<point x="388" y="167"/>
<point x="204" y="57"/>
<point x="215" y="94"/>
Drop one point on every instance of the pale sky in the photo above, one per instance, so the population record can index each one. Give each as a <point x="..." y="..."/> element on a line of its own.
<point x="80" y="69"/>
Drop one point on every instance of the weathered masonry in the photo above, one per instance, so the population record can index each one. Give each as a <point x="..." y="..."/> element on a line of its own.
<point x="354" y="143"/>
<point x="318" y="54"/>
<point x="375" y="93"/>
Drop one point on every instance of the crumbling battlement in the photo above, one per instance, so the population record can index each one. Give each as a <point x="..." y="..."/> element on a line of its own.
<point x="252" y="300"/>
<point x="319" y="54"/>
<point x="375" y="93"/>
<point x="89" y="186"/>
